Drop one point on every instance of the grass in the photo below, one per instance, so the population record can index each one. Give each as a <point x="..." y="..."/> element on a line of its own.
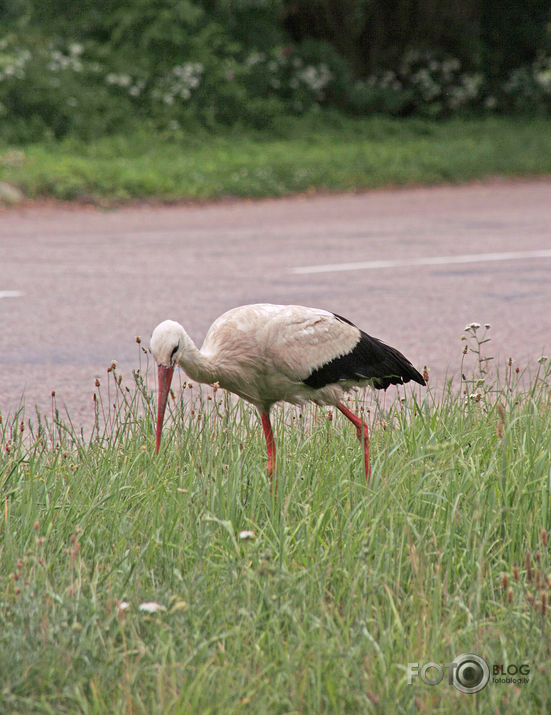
<point x="339" y="588"/>
<point x="330" y="153"/>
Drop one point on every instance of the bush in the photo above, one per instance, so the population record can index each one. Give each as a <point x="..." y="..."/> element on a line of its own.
<point x="424" y="83"/>
<point x="87" y="70"/>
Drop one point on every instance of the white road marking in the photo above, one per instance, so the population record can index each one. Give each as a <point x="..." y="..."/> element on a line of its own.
<point x="427" y="261"/>
<point x="11" y="294"/>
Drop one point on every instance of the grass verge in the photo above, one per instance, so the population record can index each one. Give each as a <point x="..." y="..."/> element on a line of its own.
<point x="332" y="593"/>
<point x="329" y="153"/>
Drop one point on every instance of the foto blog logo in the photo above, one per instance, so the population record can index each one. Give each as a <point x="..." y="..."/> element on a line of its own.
<point x="468" y="673"/>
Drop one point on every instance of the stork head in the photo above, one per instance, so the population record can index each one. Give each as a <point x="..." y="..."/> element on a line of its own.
<point x="167" y="342"/>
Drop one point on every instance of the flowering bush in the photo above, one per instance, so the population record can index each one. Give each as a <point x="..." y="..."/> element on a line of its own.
<point x="86" y="89"/>
<point x="528" y="88"/>
<point x="190" y="70"/>
<point x="423" y="83"/>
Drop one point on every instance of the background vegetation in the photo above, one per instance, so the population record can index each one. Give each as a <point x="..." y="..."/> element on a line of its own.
<point x="298" y="155"/>
<point x="93" y="68"/>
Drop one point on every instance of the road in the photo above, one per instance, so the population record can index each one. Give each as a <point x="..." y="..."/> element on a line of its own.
<point x="77" y="285"/>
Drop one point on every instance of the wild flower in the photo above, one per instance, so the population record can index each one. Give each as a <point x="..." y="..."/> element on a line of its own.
<point x="12" y="66"/>
<point x="151" y="607"/>
<point x="121" y="80"/>
<point x="254" y="58"/>
<point x="315" y="77"/>
<point x="61" y="61"/>
<point x="179" y="83"/>
<point x="246" y="535"/>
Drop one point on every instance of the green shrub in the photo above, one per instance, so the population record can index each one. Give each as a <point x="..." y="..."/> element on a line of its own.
<point x="89" y="70"/>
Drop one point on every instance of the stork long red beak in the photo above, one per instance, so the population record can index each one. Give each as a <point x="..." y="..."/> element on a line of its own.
<point x="165" y="378"/>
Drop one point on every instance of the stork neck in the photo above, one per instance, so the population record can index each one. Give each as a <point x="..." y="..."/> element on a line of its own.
<point x="195" y="364"/>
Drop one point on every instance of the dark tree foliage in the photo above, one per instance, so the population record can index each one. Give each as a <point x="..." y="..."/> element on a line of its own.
<point x="512" y="34"/>
<point x="373" y="34"/>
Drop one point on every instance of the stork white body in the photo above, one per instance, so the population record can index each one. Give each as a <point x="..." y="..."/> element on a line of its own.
<point x="271" y="353"/>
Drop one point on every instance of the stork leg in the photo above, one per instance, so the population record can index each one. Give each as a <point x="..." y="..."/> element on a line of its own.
<point x="270" y="444"/>
<point x="363" y="435"/>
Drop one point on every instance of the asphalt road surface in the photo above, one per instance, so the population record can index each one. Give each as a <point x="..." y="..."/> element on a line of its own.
<point x="410" y="266"/>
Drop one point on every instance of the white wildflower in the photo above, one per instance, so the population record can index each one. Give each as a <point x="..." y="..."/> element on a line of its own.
<point x="151" y="607"/>
<point x="316" y="77"/>
<point x="121" y="80"/>
<point x="246" y="535"/>
<point x="255" y="58"/>
<point x="75" y="49"/>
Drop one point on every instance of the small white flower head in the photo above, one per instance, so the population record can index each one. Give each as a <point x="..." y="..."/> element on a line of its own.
<point x="151" y="607"/>
<point x="123" y="605"/>
<point x="246" y="535"/>
<point x="472" y="326"/>
<point x="487" y="326"/>
<point x="542" y="359"/>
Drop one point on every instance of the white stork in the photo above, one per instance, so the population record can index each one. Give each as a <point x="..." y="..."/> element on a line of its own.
<point x="281" y="353"/>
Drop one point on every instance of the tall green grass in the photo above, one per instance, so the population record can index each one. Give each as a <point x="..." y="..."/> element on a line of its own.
<point x="330" y="153"/>
<point x="336" y="590"/>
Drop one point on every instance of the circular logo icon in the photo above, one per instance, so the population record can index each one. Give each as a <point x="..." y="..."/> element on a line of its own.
<point x="471" y="673"/>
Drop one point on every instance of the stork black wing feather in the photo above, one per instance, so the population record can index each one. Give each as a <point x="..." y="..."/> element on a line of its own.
<point x="370" y="359"/>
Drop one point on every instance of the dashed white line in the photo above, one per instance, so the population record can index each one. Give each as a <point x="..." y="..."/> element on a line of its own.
<point x="427" y="261"/>
<point x="11" y="293"/>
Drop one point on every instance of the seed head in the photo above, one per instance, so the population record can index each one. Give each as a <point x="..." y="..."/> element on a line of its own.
<point x="97" y="383"/>
<point x="504" y="581"/>
<point x="528" y="564"/>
